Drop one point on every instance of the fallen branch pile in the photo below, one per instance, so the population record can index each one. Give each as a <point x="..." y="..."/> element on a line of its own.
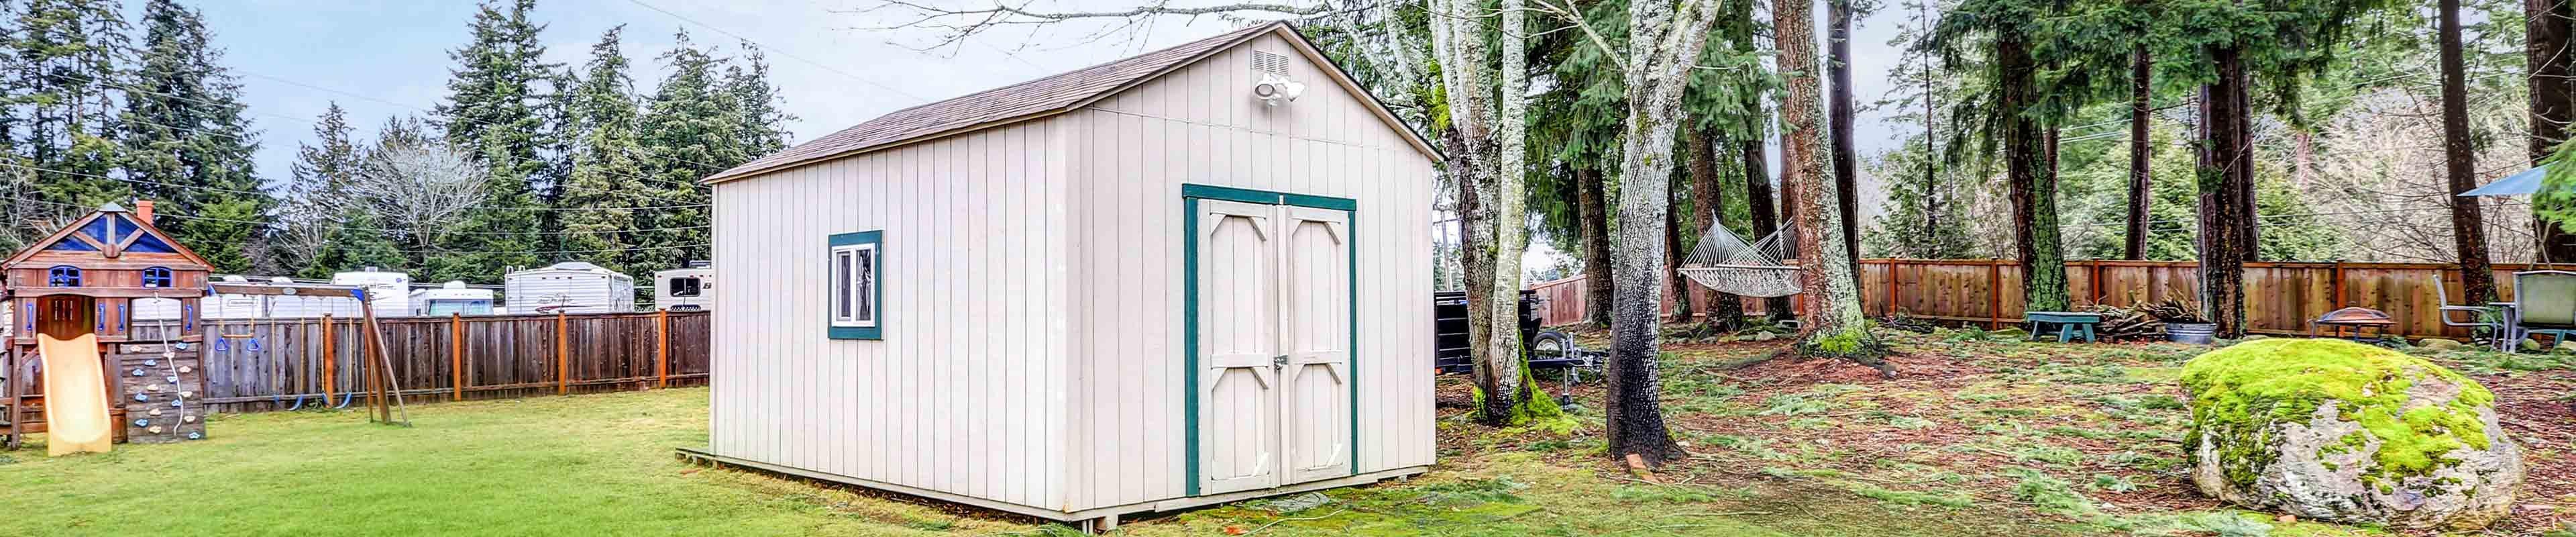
<point x="2144" y="321"/>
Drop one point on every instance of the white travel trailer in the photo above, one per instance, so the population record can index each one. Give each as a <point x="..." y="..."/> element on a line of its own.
<point x="388" y="292"/>
<point x="453" y="298"/>
<point x="569" y="287"/>
<point x="1160" y="282"/>
<point x="685" y="289"/>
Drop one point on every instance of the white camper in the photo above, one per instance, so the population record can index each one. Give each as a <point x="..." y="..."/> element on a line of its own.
<point x="569" y="287"/>
<point x="685" y="289"/>
<point x="388" y="292"/>
<point x="452" y="298"/>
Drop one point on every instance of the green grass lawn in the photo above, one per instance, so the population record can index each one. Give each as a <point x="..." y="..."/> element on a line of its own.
<point x="1979" y="436"/>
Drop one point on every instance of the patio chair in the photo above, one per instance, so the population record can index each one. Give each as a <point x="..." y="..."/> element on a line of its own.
<point x="2545" y="303"/>
<point x="2477" y="313"/>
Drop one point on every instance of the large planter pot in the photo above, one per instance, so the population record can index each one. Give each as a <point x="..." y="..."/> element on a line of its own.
<point x="2193" y="333"/>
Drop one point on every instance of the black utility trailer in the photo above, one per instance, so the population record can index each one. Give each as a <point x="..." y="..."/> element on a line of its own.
<point x="1548" y="349"/>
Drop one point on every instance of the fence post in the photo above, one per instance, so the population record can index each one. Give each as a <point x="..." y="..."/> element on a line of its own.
<point x="1994" y="293"/>
<point x="662" y="348"/>
<point x="330" y="361"/>
<point x="1891" y="288"/>
<point x="2338" y="285"/>
<point x="456" y="354"/>
<point x="563" y="369"/>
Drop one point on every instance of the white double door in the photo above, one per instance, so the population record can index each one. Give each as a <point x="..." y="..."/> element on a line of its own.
<point x="1274" y="332"/>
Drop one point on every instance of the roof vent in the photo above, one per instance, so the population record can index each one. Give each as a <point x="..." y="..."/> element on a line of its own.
<point x="1266" y="62"/>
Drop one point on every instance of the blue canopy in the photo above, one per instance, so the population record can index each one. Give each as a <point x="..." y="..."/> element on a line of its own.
<point x="2520" y="183"/>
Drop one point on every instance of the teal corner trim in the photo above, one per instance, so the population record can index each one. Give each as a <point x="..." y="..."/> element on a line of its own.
<point x="1190" y="196"/>
<point x="1352" y="263"/>
<point x="876" y="293"/>
<point x="1190" y="335"/>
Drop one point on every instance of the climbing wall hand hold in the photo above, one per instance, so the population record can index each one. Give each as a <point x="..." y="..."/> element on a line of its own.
<point x="187" y="419"/>
<point x="151" y="387"/>
<point x="156" y="429"/>
<point x="155" y="362"/>
<point x="176" y="404"/>
<point x="141" y="397"/>
<point x="155" y="412"/>
<point x="194" y="435"/>
<point x="180" y="346"/>
<point x="184" y="369"/>
<point x="142" y="422"/>
<point x="138" y="371"/>
<point x="173" y="379"/>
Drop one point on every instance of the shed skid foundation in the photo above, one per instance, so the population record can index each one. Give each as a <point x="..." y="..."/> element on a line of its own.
<point x="1094" y="517"/>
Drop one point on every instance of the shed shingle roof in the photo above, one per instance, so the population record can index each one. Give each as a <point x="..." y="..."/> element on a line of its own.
<point x="1017" y="101"/>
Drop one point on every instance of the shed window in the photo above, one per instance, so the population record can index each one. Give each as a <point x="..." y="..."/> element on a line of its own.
<point x="856" y="308"/>
<point x="156" y="277"/>
<point x="63" y="276"/>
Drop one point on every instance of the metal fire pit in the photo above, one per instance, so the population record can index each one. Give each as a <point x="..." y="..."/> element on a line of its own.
<point x="2359" y="322"/>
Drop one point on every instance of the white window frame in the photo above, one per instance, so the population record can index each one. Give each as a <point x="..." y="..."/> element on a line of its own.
<point x="854" y="286"/>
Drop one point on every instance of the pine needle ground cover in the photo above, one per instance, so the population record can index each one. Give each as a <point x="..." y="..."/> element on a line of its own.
<point x="1979" y="435"/>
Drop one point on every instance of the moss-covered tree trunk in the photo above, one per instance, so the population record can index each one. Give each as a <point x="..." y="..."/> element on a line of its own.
<point x="2547" y="28"/>
<point x="2141" y="174"/>
<point x="1832" y="323"/>
<point x="2030" y="171"/>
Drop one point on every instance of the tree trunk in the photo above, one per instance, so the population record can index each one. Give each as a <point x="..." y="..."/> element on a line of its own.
<point x="2547" y="27"/>
<point x="1757" y="196"/>
<point x="2030" y="168"/>
<point x="2468" y="225"/>
<point x="1459" y="44"/>
<point x="1832" y="323"/>
<point x="1679" y="284"/>
<point x="2227" y="190"/>
<point x="1846" y="165"/>
<point x="1590" y="189"/>
<point x="1725" y="311"/>
<point x="2141" y="171"/>
<point x="1665" y="40"/>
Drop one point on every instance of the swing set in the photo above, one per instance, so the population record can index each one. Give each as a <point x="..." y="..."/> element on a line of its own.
<point x="384" y="391"/>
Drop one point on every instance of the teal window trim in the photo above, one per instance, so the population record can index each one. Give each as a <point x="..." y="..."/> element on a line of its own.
<point x="1190" y="195"/>
<point x="873" y="242"/>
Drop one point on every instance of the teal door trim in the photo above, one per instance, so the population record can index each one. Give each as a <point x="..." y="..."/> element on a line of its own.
<point x="1190" y="196"/>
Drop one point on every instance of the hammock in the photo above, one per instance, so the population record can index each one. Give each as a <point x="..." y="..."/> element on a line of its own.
<point x="1724" y="262"/>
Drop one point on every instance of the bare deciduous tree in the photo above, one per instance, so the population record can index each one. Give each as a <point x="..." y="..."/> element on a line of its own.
<point x="418" y="188"/>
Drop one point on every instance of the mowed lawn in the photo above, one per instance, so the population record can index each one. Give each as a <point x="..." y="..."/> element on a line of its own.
<point x="1979" y="435"/>
<point x="579" y="465"/>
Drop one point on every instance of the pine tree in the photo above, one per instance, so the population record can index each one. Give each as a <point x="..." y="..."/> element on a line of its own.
<point x="605" y="162"/>
<point x="313" y="211"/>
<point x="690" y="130"/>
<point x="183" y="131"/>
<point x="64" y="88"/>
<point x="758" y="121"/>
<point x="492" y="110"/>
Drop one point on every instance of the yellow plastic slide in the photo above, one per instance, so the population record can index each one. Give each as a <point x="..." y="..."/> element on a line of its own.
<point x="75" y="396"/>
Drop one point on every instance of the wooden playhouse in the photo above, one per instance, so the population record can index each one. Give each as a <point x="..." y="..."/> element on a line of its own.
<point x="103" y="340"/>
<point x="1188" y="277"/>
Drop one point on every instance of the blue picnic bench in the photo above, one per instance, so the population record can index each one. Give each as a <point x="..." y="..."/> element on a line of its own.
<point x="2069" y="324"/>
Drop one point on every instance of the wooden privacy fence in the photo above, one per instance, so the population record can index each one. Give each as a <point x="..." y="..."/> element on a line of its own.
<point x="259" y="365"/>
<point x="2280" y="297"/>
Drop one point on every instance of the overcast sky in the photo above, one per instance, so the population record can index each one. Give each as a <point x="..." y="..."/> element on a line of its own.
<point x="382" y="58"/>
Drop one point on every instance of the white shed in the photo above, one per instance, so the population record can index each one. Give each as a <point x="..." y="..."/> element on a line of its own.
<point x="1136" y="286"/>
<point x="569" y="287"/>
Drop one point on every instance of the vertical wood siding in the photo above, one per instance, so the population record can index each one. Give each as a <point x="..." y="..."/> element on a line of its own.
<point x="1129" y="155"/>
<point x="965" y="393"/>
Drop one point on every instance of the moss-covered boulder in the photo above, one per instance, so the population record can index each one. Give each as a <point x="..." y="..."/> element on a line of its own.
<point x="2339" y="431"/>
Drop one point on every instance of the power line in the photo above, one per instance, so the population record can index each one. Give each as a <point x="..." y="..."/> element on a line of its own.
<point x="628" y="150"/>
<point x="781" y="52"/>
<point x="220" y="189"/>
<point x="297" y="119"/>
<point x="337" y="227"/>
